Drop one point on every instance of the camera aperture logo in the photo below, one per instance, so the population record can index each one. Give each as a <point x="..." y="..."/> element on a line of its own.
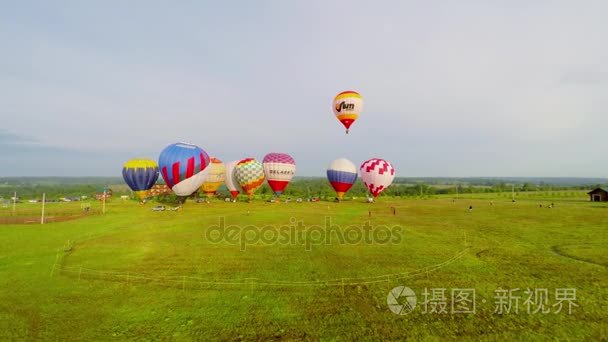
<point x="401" y="300"/>
<point x="297" y="233"/>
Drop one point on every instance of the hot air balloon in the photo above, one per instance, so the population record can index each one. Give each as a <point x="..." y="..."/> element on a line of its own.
<point x="140" y="175"/>
<point x="377" y="174"/>
<point x="181" y="166"/>
<point x="231" y="183"/>
<point x="250" y="175"/>
<point x="279" y="169"/>
<point x="342" y="174"/>
<point x="215" y="174"/>
<point x="347" y="106"/>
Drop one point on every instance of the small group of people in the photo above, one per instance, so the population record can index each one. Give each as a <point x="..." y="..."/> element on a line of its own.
<point x="550" y="206"/>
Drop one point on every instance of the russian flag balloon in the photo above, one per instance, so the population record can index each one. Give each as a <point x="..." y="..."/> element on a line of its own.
<point x="140" y="175"/>
<point x="279" y="169"/>
<point x="377" y="174"/>
<point x="182" y="166"/>
<point x="342" y="174"/>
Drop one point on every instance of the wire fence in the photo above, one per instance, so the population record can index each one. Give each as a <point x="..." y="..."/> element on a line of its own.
<point x="27" y="217"/>
<point x="187" y="282"/>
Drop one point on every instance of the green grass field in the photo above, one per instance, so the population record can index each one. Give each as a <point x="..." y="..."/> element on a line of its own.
<point x="134" y="274"/>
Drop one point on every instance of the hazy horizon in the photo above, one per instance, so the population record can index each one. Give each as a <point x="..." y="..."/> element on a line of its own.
<point x="465" y="89"/>
<point x="556" y="180"/>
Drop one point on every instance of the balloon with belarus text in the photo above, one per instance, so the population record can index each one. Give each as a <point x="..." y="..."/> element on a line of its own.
<point x="279" y="169"/>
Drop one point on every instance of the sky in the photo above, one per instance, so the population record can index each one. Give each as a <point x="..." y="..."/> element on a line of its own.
<point x="451" y="88"/>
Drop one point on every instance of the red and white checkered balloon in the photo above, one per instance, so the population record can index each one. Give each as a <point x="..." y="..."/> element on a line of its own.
<point x="377" y="174"/>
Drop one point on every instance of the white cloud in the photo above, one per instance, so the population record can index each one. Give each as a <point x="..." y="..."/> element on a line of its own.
<point x="460" y="88"/>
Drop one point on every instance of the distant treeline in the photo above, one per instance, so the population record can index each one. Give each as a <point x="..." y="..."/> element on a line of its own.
<point x="301" y="187"/>
<point x="491" y="181"/>
<point x="320" y="187"/>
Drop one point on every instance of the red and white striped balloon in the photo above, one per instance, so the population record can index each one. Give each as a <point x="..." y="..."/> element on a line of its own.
<point x="231" y="183"/>
<point x="377" y="174"/>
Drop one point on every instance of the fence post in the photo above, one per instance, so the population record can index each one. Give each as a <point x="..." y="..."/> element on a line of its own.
<point x="183" y="283"/>
<point x="251" y="284"/>
<point x="55" y="263"/>
<point x="79" y="272"/>
<point x="343" y="292"/>
<point x="42" y="215"/>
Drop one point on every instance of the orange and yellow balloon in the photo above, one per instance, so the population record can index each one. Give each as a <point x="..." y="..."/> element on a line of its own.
<point x="250" y="175"/>
<point x="215" y="174"/>
<point x="347" y="107"/>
